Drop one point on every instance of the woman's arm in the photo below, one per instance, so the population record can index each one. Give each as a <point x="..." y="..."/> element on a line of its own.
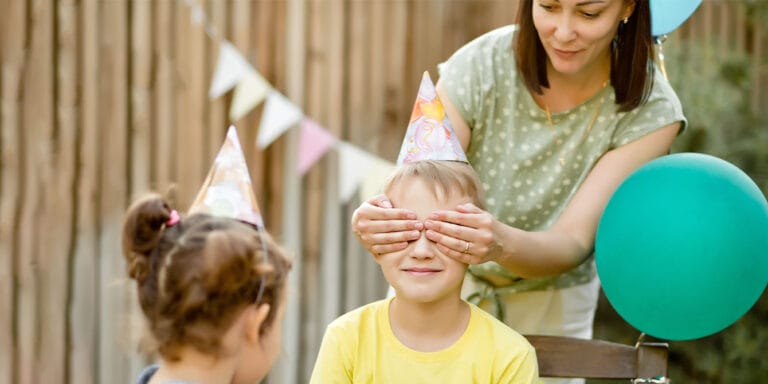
<point x="569" y="240"/>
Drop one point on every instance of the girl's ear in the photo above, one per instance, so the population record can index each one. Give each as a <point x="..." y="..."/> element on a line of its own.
<point x="256" y="316"/>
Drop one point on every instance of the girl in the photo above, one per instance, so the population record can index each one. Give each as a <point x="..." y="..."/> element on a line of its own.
<point x="212" y="292"/>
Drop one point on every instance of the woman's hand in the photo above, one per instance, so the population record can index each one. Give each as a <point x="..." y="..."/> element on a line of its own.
<point x="467" y="234"/>
<point x="383" y="229"/>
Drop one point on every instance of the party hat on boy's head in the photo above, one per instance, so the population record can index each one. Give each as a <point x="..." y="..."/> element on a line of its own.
<point x="227" y="190"/>
<point x="430" y="135"/>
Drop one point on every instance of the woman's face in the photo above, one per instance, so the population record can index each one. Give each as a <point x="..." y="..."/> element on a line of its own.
<point x="577" y="34"/>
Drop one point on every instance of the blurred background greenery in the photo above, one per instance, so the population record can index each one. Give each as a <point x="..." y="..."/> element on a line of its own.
<point x="715" y="90"/>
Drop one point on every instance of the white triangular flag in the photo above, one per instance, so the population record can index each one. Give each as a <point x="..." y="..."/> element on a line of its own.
<point x="249" y="93"/>
<point x="230" y="69"/>
<point x="279" y="115"/>
<point x="198" y="15"/>
<point x="354" y="164"/>
<point x="374" y="178"/>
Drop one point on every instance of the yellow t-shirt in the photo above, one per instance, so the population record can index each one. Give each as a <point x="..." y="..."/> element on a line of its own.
<point x="360" y="347"/>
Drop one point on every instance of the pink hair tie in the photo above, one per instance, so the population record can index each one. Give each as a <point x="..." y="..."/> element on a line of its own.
<point x="173" y="219"/>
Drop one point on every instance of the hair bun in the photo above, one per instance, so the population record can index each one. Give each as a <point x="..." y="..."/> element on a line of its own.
<point x="142" y="230"/>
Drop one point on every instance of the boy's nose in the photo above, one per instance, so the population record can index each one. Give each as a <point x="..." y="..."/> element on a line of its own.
<point x="423" y="247"/>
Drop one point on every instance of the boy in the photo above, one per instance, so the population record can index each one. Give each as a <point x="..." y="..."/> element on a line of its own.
<point x="426" y="333"/>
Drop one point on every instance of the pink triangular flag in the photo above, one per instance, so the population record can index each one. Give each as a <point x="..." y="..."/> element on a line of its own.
<point x="314" y="142"/>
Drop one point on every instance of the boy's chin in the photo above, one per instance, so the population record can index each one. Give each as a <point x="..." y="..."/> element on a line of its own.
<point x="416" y="297"/>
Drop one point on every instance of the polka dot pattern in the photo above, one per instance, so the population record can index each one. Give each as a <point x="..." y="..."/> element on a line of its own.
<point x="517" y="154"/>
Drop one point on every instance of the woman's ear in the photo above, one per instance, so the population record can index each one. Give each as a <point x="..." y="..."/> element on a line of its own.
<point x="254" y="319"/>
<point x="629" y="9"/>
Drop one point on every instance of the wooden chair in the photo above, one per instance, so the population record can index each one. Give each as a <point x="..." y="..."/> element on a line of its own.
<point x="645" y="362"/>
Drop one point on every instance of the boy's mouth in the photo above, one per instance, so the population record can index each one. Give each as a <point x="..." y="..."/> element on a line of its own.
<point x="421" y="271"/>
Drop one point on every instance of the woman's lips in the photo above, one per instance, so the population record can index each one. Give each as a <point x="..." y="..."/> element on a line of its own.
<point x="565" y="54"/>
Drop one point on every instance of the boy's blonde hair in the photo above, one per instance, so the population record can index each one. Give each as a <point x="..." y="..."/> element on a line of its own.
<point x="445" y="178"/>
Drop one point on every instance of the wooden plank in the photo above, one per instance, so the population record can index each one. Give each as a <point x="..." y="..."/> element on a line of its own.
<point x="57" y="182"/>
<point x="141" y="96"/>
<point x="163" y="149"/>
<point x="217" y="109"/>
<point x="598" y="359"/>
<point x="113" y="188"/>
<point x="399" y="100"/>
<point x="357" y="91"/>
<point x="312" y="290"/>
<point x="84" y="309"/>
<point x="724" y="43"/>
<point x="140" y="136"/>
<point x="37" y="143"/>
<point x="190" y="97"/>
<point x="379" y="31"/>
<point x="740" y="23"/>
<point x="13" y="25"/>
<point x="293" y="27"/>
<point x="757" y="62"/>
<point x="707" y="10"/>
<point x="323" y="180"/>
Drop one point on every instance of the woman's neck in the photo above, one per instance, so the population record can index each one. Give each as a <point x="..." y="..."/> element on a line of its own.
<point x="429" y="327"/>
<point x="567" y="91"/>
<point x="196" y="367"/>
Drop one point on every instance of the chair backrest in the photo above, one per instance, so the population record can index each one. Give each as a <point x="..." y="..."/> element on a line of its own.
<point x="599" y="359"/>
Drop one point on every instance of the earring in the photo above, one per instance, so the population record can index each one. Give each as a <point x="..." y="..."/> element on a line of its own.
<point x="626" y="20"/>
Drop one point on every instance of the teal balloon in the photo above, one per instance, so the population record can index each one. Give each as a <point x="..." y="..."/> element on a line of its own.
<point x="668" y="15"/>
<point x="682" y="246"/>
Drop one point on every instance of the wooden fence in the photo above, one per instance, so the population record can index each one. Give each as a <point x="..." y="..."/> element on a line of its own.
<point x="103" y="100"/>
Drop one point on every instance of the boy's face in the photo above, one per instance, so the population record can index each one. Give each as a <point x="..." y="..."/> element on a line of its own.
<point x="421" y="273"/>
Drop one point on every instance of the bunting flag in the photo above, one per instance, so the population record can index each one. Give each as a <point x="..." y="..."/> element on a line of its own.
<point x="354" y="164"/>
<point x="230" y="69"/>
<point x="314" y="142"/>
<point x="233" y="70"/>
<point x="250" y="92"/>
<point x="375" y="177"/>
<point x="279" y="115"/>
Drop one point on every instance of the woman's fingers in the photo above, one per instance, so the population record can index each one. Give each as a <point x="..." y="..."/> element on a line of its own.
<point x="465" y="234"/>
<point x="390" y="232"/>
<point x="383" y="229"/>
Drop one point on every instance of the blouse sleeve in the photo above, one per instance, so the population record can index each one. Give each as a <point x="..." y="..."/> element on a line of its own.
<point x="468" y="76"/>
<point x="660" y="110"/>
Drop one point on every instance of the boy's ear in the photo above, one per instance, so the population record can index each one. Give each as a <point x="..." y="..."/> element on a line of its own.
<point x="253" y="321"/>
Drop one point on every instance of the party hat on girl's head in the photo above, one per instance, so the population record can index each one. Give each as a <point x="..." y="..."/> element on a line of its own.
<point x="430" y="135"/>
<point x="227" y="190"/>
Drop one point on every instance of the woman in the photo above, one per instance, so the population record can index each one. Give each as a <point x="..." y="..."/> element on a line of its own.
<point x="554" y="113"/>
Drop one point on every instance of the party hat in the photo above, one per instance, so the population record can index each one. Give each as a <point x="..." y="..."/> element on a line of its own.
<point x="227" y="190"/>
<point x="430" y="135"/>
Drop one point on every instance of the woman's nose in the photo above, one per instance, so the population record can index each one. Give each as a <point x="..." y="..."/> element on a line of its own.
<point x="564" y="29"/>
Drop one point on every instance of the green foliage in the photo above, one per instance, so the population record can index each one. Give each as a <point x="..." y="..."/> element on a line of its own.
<point x="715" y="90"/>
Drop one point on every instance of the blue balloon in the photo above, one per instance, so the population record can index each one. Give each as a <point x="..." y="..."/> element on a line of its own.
<point x="682" y="246"/>
<point x="667" y="15"/>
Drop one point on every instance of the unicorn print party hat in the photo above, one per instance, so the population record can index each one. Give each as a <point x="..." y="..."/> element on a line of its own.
<point x="227" y="190"/>
<point x="430" y="135"/>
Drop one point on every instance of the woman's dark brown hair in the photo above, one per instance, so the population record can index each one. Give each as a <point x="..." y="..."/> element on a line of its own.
<point x="631" y="54"/>
<point x="196" y="276"/>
